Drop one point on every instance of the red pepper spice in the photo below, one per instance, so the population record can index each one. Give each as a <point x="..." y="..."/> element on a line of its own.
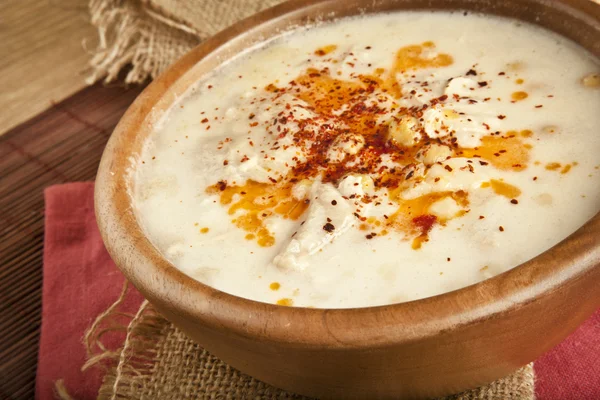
<point x="328" y="227"/>
<point x="424" y="222"/>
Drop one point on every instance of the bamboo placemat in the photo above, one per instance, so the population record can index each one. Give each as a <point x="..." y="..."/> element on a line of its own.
<point x="63" y="144"/>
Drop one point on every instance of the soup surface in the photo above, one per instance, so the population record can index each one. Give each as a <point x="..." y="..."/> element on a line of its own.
<point x="375" y="160"/>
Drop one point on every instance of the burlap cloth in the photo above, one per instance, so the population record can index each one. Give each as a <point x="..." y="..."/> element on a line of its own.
<point x="157" y="361"/>
<point x="149" y="35"/>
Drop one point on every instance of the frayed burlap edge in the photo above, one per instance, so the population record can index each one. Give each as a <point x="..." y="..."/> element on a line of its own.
<point x="147" y="36"/>
<point x="132" y="34"/>
<point x="157" y="360"/>
<point x="137" y="357"/>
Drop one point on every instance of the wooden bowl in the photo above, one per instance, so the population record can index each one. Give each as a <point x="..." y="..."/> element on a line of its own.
<point x="430" y="347"/>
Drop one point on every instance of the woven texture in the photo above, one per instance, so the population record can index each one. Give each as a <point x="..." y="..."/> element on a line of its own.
<point x="147" y="36"/>
<point x="158" y="361"/>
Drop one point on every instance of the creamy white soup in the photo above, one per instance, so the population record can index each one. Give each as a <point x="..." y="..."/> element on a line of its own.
<point x="375" y="160"/>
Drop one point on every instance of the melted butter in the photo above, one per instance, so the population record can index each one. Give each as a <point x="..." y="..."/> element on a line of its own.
<point x="327" y="94"/>
<point x="325" y="50"/>
<point x="525" y="133"/>
<point x="502" y="188"/>
<point x="256" y="202"/>
<point x="417" y="242"/>
<point x="563" y="169"/>
<point x="413" y="216"/>
<point x="412" y="58"/>
<point x="518" y="96"/>
<point x="285" y="302"/>
<point x="503" y="152"/>
<point x="553" y="166"/>
<point x="591" y="81"/>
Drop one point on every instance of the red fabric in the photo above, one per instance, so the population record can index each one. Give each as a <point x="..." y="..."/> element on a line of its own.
<point x="571" y="371"/>
<point x="80" y="281"/>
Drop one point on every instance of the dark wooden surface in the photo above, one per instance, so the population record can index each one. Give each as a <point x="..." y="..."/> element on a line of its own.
<point x="64" y="144"/>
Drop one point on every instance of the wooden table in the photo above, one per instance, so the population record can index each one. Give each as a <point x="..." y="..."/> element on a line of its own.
<point x="63" y="144"/>
<point x="42" y="55"/>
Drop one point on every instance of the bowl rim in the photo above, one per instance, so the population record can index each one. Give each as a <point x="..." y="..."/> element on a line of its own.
<point x="572" y="259"/>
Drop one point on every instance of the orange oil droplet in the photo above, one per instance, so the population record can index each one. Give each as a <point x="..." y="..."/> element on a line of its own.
<point x="504" y="152"/>
<point x="566" y="169"/>
<point x="553" y="166"/>
<point x="504" y="189"/>
<point x="417" y="242"/>
<point x="255" y="202"/>
<point x="518" y="96"/>
<point x="325" y="50"/>
<point x="285" y="302"/>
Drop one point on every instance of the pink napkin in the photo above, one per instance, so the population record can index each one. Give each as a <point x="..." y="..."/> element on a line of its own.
<point x="81" y="281"/>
